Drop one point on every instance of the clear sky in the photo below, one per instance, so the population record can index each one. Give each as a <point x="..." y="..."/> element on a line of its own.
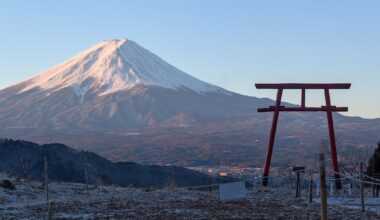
<point x="232" y="44"/>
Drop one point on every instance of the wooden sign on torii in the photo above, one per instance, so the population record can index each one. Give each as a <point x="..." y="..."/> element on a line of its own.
<point x="328" y="108"/>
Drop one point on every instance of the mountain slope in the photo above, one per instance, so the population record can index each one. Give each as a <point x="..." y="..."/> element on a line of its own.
<point x="122" y="101"/>
<point x="112" y="66"/>
<point x="66" y="164"/>
<point x="114" y="85"/>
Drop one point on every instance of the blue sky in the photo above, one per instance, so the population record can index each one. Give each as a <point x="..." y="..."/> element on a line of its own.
<point x="232" y="44"/>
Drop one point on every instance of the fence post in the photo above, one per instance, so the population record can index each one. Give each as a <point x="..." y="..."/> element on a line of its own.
<point x="318" y="189"/>
<point x="311" y="191"/>
<point x="373" y="171"/>
<point x="46" y="179"/>
<point x="23" y="172"/>
<point x="373" y="189"/>
<point x="331" y="190"/>
<point x="85" y="172"/>
<point x="362" y="187"/>
<point x="298" y="185"/>
<point x="50" y="211"/>
<point x="323" y="190"/>
<point x="209" y="183"/>
<point x="349" y="190"/>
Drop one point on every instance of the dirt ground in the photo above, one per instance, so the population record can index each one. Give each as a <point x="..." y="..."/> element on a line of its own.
<point x="70" y="201"/>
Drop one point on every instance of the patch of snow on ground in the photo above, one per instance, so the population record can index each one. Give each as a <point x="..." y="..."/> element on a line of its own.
<point x="70" y="201"/>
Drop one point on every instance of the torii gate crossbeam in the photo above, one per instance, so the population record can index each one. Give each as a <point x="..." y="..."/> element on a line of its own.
<point x="328" y="108"/>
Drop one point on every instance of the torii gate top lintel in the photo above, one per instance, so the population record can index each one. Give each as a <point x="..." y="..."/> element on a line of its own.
<point x="328" y="108"/>
<point x="303" y="87"/>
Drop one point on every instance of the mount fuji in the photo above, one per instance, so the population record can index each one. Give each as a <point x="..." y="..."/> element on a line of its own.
<point x="114" y="85"/>
<point x="122" y="101"/>
<point x="113" y="66"/>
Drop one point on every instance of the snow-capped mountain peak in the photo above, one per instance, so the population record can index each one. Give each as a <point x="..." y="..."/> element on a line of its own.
<point x="116" y="65"/>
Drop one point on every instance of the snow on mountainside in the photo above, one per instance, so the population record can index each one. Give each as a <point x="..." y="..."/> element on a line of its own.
<point x="116" y="88"/>
<point x="115" y="85"/>
<point x="115" y="65"/>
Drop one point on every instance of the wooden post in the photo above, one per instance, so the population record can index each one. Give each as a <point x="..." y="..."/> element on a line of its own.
<point x="50" y="211"/>
<point x="318" y="189"/>
<point x="373" y="171"/>
<point x="209" y="182"/>
<point x="362" y="187"/>
<point x="46" y="179"/>
<point x="373" y="190"/>
<point x="350" y="188"/>
<point x="23" y="172"/>
<point x="298" y="185"/>
<point x="323" y="189"/>
<point x="85" y="172"/>
<point x="311" y="191"/>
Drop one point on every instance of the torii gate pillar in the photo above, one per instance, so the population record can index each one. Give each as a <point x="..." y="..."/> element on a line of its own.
<point x="328" y="108"/>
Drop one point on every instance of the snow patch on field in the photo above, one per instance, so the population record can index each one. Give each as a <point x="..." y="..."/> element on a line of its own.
<point x="70" y="201"/>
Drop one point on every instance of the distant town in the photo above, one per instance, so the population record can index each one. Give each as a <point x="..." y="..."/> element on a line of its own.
<point x="280" y="175"/>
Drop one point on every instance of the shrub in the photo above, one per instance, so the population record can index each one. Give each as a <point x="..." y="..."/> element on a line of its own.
<point x="7" y="184"/>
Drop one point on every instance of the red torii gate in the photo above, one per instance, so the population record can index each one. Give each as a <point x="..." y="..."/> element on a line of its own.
<point x="328" y="108"/>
